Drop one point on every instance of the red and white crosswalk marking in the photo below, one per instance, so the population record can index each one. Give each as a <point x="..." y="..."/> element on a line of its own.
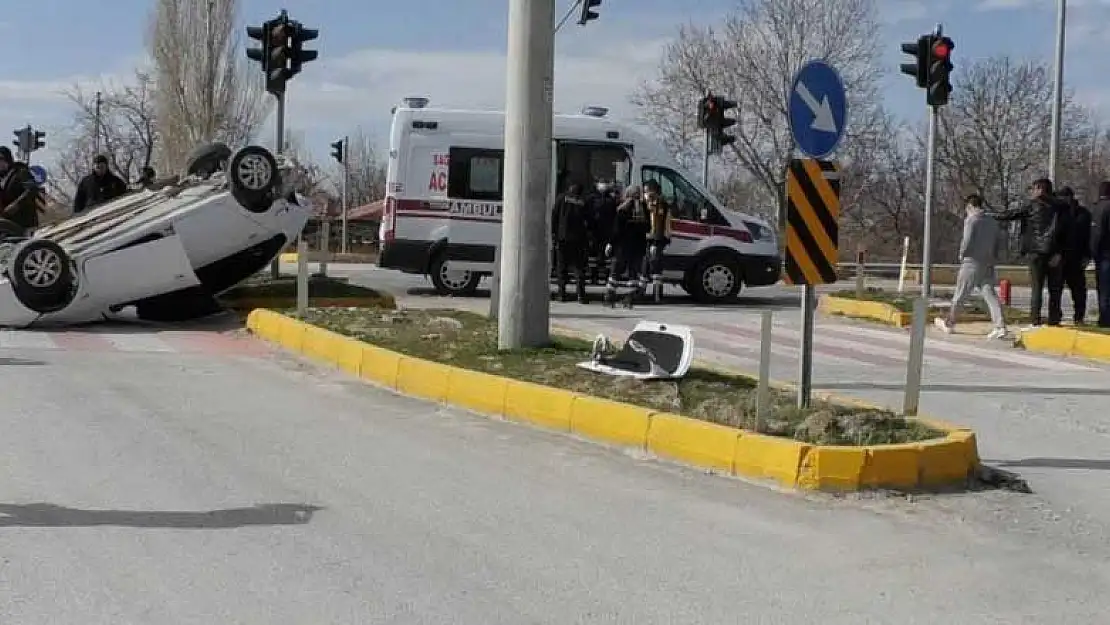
<point x="134" y="340"/>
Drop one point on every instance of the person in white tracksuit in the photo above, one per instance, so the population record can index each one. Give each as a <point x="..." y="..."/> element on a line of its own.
<point x="977" y="259"/>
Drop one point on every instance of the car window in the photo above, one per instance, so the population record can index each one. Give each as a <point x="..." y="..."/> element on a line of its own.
<point x="686" y="202"/>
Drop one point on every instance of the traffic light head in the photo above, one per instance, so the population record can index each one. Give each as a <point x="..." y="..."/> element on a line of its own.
<point x="299" y="56"/>
<point x="337" y="151"/>
<point x="40" y="140"/>
<point x="587" y="12"/>
<point x="939" y="84"/>
<point x="919" y="50"/>
<point x="18" y="138"/>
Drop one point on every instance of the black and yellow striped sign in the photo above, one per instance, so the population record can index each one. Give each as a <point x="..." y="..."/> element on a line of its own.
<point x="812" y="222"/>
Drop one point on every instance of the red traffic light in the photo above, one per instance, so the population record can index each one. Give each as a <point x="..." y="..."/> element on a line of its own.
<point x="941" y="50"/>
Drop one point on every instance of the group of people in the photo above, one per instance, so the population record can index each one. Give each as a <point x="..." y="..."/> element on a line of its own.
<point x="1060" y="238"/>
<point x="21" y="195"/>
<point x="631" y="232"/>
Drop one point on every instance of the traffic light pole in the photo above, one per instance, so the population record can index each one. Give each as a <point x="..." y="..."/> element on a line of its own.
<point x="524" y="299"/>
<point x="1057" y="91"/>
<point x="930" y="176"/>
<point x="705" y="161"/>
<point x="344" y="195"/>
<point x="275" y="265"/>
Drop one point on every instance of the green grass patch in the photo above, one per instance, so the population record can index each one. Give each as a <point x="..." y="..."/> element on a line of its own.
<point x="262" y="286"/>
<point x="469" y="341"/>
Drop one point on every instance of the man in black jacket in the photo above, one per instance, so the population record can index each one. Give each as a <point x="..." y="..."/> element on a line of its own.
<point x="1100" y="251"/>
<point x="570" y="230"/>
<point x="97" y="188"/>
<point x="1043" y="239"/>
<point x="1077" y="254"/>
<point x="19" y="194"/>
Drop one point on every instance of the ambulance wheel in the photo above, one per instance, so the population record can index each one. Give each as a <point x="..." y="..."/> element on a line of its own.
<point x="41" y="276"/>
<point x="716" y="279"/>
<point x="208" y="159"/>
<point x="454" y="282"/>
<point x="254" y="178"/>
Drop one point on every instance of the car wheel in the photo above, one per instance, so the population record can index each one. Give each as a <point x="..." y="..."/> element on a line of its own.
<point x="254" y="178"/>
<point x="42" y="276"/>
<point x="716" y="279"/>
<point x="456" y="282"/>
<point x="208" y="159"/>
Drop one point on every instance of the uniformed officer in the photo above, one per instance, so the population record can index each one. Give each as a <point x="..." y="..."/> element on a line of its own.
<point x="659" y="213"/>
<point x="570" y="225"/>
<point x="628" y="246"/>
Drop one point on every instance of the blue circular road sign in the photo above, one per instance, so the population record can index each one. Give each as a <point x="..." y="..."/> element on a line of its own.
<point x="38" y="172"/>
<point x="818" y="109"/>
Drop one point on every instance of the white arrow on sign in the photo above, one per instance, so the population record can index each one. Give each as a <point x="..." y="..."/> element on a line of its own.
<point x="822" y="112"/>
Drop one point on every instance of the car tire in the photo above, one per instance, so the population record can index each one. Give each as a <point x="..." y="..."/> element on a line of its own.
<point x="464" y="283"/>
<point x="716" y="279"/>
<point x="208" y="159"/>
<point x="254" y="177"/>
<point x="42" y="276"/>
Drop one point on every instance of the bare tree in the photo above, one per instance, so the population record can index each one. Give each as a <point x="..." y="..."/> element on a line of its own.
<point x="127" y="132"/>
<point x="310" y="177"/>
<point x="886" y="201"/>
<point x="206" y="89"/>
<point x="752" y="59"/>
<point x="367" y="171"/>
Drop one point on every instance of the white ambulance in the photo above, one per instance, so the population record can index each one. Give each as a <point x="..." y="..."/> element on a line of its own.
<point x="442" y="213"/>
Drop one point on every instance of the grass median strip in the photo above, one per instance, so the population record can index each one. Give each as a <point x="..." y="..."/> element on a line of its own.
<point x="263" y="286"/>
<point x="469" y="341"/>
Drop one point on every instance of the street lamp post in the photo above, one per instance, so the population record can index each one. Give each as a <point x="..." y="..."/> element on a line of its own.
<point x="1057" y="91"/>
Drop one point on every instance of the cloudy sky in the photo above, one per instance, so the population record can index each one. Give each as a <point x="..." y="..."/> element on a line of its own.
<point x="374" y="53"/>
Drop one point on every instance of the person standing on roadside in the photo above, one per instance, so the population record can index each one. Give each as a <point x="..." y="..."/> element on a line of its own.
<point x="99" y="187"/>
<point x="1100" y="251"/>
<point x="1042" y="241"/>
<point x="570" y="229"/>
<point x="977" y="258"/>
<point x="628" y="247"/>
<point x="19" y="194"/>
<point x="1077" y="252"/>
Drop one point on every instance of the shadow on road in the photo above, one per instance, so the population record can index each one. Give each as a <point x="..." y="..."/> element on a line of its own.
<point x="20" y="362"/>
<point x="1057" y="463"/>
<point x="963" y="388"/>
<point x="50" y="515"/>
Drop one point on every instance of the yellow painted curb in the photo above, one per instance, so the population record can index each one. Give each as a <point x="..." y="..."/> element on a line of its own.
<point x="288" y="257"/>
<point x="792" y="464"/>
<point x="877" y="311"/>
<point x="1067" y="342"/>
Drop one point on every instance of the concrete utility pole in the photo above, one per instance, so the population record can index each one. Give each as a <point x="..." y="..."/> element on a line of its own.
<point x="1057" y="91"/>
<point x="524" y="304"/>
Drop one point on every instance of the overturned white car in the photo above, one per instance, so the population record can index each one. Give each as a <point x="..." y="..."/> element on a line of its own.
<point x="168" y="251"/>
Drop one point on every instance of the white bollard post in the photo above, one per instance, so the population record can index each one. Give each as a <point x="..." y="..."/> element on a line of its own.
<point x="915" y="360"/>
<point x="302" y="276"/>
<point x="763" y="392"/>
<point x="902" y="269"/>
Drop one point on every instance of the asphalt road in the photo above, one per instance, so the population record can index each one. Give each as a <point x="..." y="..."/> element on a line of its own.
<point x="1041" y="416"/>
<point x="246" y="487"/>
